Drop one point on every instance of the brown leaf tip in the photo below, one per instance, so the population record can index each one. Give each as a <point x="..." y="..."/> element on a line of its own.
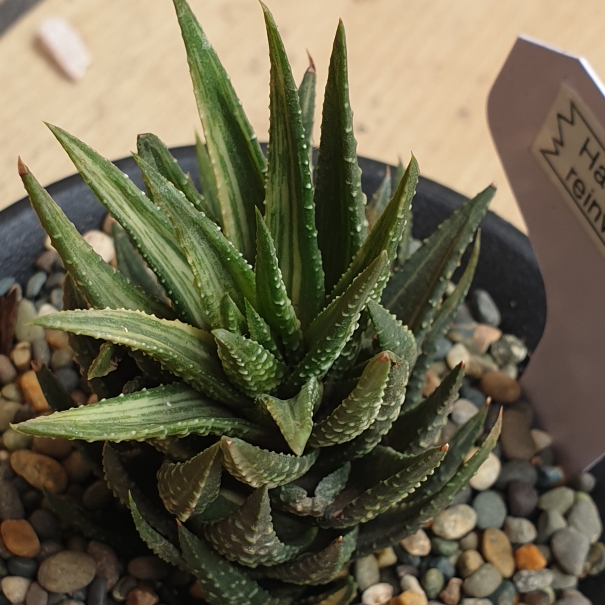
<point x="311" y="67"/>
<point x="339" y="539"/>
<point x="445" y="447"/>
<point x="488" y="401"/>
<point x="21" y="167"/>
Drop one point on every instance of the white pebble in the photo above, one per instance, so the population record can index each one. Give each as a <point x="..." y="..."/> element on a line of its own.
<point x="101" y="243"/>
<point x="541" y="439"/>
<point x="377" y="594"/>
<point x="47" y="309"/>
<point x="417" y="544"/>
<point x="64" y="46"/>
<point x="409" y="582"/>
<point x="488" y="472"/>
<point x="462" y="411"/>
<point x="457" y="354"/>
<point x="15" y="588"/>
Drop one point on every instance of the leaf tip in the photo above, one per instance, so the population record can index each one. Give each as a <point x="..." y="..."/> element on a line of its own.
<point x="488" y="401"/>
<point x="311" y="67"/>
<point x="21" y="167"/>
<point x="445" y="447"/>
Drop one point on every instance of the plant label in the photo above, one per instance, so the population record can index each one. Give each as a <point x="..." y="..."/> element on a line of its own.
<point x="546" y="112"/>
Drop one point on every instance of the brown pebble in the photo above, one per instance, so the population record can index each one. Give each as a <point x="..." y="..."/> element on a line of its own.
<point x="32" y="391"/>
<point x="529" y="557"/>
<point x="140" y="596"/>
<point x="77" y="466"/>
<point x="8" y="373"/>
<point x="500" y="387"/>
<point x="57" y="339"/>
<point x="409" y="597"/>
<point x="431" y="382"/>
<point x="20" y="538"/>
<point x="497" y="549"/>
<point x="106" y="560"/>
<point x="21" y="356"/>
<point x="148" y="567"/>
<point x="79" y="397"/>
<point x="450" y="595"/>
<point x="55" y="448"/>
<point x="41" y="472"/>
<point x="484" y="335"/>
<point x="196" y="591"/>
<point x="66" y="571"/>
<point x="469" y="562"/>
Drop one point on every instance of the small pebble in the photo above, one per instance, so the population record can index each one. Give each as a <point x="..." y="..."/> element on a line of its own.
<point x="529" y="557"/>
<point x="32" y="392"/>
<point x="508" y="350"/>
<point x="562" y="580"/>
<point x="484" y="308"/>
<point x="39" y="471"/>
<point x="148" y="567"/>
<point x="595" y="562"/>
<point x="5" y="284"/>
<point x="550" y="476"/>
<point x="482" y="582"/>
<point x="13" y="440"/>
<point x="21" y="356"/>
<point x="456" y="355"/>
<point x="77" y="466"/>
<point x="61" y="358"/>
<point x="386" y="557"/>
<point x="584" y="482"/>
<point x="520" y="530"/>
<point x="455" y="522"/>
<point x="573" y="598"/>
<point x="106" y="560"/>
<point x="527" y="581"/>
<point x="519" y="470"/>
<point x="469" y="562"/>
<point x="500" y="387"/>
<point x="497" y="550"/>
<point x="584" y="516"/>
<point x="367" y="572"/>
<point x="8" y="373"/>
<point x="516" y="439"/>
<point x="377" y="594"/>
<point x="490" y="508"/>
<point x="484" y="336"/>
<point x="542" y="440"/>
<point x="36" y="595"/>
<point x="41" y="351"/>
<point x="570" y="548"/>
<point x="470" y="541"/>
<point x="66" y="571"/>
<point x="68" y="378"/>
<point x="505" y="594"/>
<point x="549" y="522"/>
<point x="26" y="313"/>
<point x="559" y="499"/>
<point x="522" y="498"/>
<point x="462" y="411"/>
<point x="23" y="567"/>
<point x="433" y="582"/>
<point x="141" y="596"/>
<point x="441" y="546"/>
<point x="120" y="591"/>
<point x="34" y="284"/>
<point x="451" y="593"/>
<point x="15" y="588"/>
<point x="20" y="538"/>
<point x="417" y="544"/>
<point x="409" y="597"/>
<point x="45" y="525"/>
<point x="11" y="506"/>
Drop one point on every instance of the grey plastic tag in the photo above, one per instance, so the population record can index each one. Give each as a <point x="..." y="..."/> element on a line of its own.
<point x="546" y="112"/>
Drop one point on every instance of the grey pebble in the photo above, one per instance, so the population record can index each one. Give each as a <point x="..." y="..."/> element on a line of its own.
<point x="23" y="567"/>
<point x="562" y="580"/>
<point x="573" y="597"/>
<point x="97" y="592"/>
<point x="570" y="548"/>
<point x="5" y="284"/>
<point x="462" y="411"/>
<point x="11" y="506"/>
<point x="34" y="284"/>
<point x="48" y="548"/>
<point x="584" y="516"/>
<point x="120" y="591"/>
<point x="8" y="372"/>
<point x="68" y="378"/>
<point x="66" y="571"/>
<point x="505" y="594"/>
<point x="474" y="601"/>
<point x="48" y="260"/>
<point x="45" y="525"/>
<point x="508" y="350"/>
<point x="522" y="498"/>
<point x="549" y="476"/>
<point x="443" y="346"/>
<point x="549" y="522"/>
<point x="56" y="280"/>
<point x="432" y="582"/>
<point x="520" y="530"/>
<point x="472" y="394"/>
<point x="441" y="546"/>
<point x="484" y="308"/>
<point x="526" y="580"/>
<point x="584" y="482"/>
<point x="445" y="566"/>
<point x="464" y="496"/>
<point x="41" y="351"/>
<point x="490" y="508"/>
<point x="56" y="298"/>
<point x="26" y="312"/>
<point x="12" y="392"/>
<point x="36" y="595"/>
<point x="367" y="572"/>
<point x="8" y="409"/>
<point x="559" y="499"/>
<point x="61" y="358"/>
<point x="482" y="582"/>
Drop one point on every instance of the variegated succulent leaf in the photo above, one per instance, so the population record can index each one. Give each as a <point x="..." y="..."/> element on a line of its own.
<point x="392" y="334"/>
<point x="207" y="181"/>
<point x="258" y="467"/>
<point x="306" y="99"/>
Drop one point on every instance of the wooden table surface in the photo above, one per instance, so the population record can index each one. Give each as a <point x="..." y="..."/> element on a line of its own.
<point x="420" y="73"/>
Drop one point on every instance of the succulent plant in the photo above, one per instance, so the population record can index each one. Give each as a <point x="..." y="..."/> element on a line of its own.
<point x="258" y="363"/>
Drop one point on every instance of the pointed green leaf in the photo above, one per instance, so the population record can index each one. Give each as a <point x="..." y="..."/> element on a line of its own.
<point x="207" y="181"/>
<point x="184" y="350"/>
<point x="221" y="582"/>
<point x="236" y="158"/>
<point x="388" y="492"/>
<point x="416" y="289"/>
<point x="131" y="264"/>
<point x="306" y="99"/>
<point x="217" y="266"/>
<point x="260" y="331"/>
<point x="155" y="153"/>
<point x="273" y="301"/>
<point x="394" y="527"/>
<point x="148" y="228"/>
<point x="386" y="234"/>
<point x="289" y="210"/>
<point x="124" y="488"/>
<point x="380" y="199"/>
<point x="294" y="416"/>
<point x="389" y="410"/>
<point x="441" y="322"/>
<point x="318" y="568"/>
<point x="257" y="467"/>
<point x="105" y="362"/>
<point x="102" y="285"/>
<point x="160" y="412"/>
<point x="250" y="367"/>
<point x="359" y="410"/>
<point x="232" y="319"/>
<point x="332" y="329"/>
<point x="392" y="334"/>
<point x="159" y="545"/>
<point x="247" y="535"/>
<point x="339" y="200"/>
<point x="342" y="593"/>
<point x="187" y="488"/>
<point x="296" y="500"/>
<point x="416" y="429"/>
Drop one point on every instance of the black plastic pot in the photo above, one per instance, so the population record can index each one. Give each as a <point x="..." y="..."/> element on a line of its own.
<point x="507" y="268"/>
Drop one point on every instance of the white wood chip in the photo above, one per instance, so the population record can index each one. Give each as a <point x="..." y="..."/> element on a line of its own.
<point x="64" y="46"/>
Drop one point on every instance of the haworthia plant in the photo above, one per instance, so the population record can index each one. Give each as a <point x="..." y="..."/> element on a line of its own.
<point x="254" y="346"/>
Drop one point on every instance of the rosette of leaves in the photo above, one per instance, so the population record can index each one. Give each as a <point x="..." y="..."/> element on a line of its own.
<point x="258" y="364"/>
